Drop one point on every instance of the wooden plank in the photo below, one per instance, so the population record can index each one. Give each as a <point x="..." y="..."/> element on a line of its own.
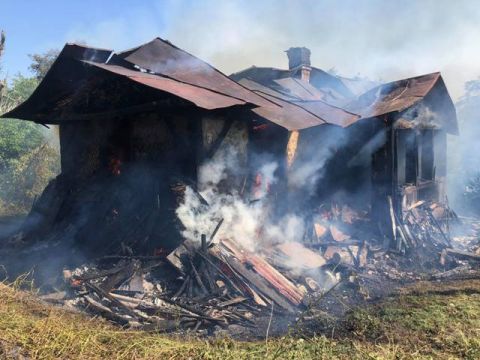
<point x="392" y="219"/>
<point x="255" y="280"/>
<point x="233" y="301"/>
<point x="268" y="272"/>
<point x="463" y="254"/>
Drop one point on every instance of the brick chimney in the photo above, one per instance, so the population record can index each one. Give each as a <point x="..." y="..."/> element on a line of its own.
<point x="299" y="62"/>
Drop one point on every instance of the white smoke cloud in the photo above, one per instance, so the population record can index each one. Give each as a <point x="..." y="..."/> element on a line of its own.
<point x="247" y="223"/>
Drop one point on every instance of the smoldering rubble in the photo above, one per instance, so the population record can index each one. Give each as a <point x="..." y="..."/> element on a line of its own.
<point x="190" y="201"/>
<point x="239" y="265"/>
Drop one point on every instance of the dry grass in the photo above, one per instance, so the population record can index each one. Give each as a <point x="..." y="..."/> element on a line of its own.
<point x="429" y="325"/>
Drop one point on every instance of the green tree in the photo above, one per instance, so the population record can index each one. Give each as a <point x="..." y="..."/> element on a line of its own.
<point x="18" y="91"/>
<point x="41" y="63"/>
<point x="27" y="160"/>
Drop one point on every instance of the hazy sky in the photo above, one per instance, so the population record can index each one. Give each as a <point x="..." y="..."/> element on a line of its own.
<point x="380" y="39"/>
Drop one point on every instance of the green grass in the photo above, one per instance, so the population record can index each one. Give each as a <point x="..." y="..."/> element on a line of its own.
<point x="429" y="321"/>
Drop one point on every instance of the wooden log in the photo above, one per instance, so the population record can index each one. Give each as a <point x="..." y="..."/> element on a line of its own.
<point x="104" y="311"/>
<point x="233" y="301"/>
<point x="435" y="222"/>
<point x="113" y="300"/>
<point x="226" y="277"/>
<point x="463" y="254"/>
<point x="182" y="287"/>
<point x="191" y="310"/>
<point x="197" y="278"/>
<point x="209" y="277"/>
<point x="215" y="231"/>
<point x="127" y="299"/>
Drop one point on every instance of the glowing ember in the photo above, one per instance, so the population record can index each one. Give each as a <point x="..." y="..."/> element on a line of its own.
<point x="115" y="166"/>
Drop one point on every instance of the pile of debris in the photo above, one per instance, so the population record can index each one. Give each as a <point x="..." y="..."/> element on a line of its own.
<point x="215" y="284"/>
<point x="197" y="286"/>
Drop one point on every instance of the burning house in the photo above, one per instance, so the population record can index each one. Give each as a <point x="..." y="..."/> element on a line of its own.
<point x="157" y="147"/>
<point x="144" y="121"/>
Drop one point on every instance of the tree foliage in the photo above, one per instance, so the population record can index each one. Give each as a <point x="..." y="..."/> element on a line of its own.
<point x="17" y="137"/>
<point x="41" y="63"/>
<point x="27" y="158"/>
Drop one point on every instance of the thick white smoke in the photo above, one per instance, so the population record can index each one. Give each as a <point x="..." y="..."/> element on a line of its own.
<point x="246" y="222"/>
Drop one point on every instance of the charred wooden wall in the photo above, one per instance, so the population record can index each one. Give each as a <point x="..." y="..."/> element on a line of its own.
<point x="167" y="143"/>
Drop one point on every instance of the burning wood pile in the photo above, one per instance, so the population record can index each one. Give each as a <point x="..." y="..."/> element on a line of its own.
<point x="194" y="287"/>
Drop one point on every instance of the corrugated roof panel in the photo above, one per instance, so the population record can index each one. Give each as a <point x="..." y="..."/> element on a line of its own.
<point x="163" y="58"/>
<point x="201" y="97"/>
<point x="300" y="89"/>
<point x="395" y="96"/>
<point x="289" y="116"/>
<point x="331" y="114"/>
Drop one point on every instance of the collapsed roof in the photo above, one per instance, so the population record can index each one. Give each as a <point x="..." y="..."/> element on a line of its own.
<point x="87" y="83"/>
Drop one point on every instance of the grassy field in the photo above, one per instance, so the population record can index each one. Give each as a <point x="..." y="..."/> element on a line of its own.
<point x="430" y="321"/>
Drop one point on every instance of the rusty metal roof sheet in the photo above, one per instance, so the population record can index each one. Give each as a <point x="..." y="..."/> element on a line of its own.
<point x="158" y="65"/>
<point x="322" y="85"/>
<point x="321" y="110"/>
<point x="291" y="116"/>
<point x="162" y="57"/>
<point x="65" y="77"/>
<point x="331" y="114"/>
<point x="255" y="86"/>
<point x="70" y="74"/>
<point x="300" y="89"/>
<point x="201" y="97"/>
<point x="395" y="96"/>
<point x="398" y="96"/>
